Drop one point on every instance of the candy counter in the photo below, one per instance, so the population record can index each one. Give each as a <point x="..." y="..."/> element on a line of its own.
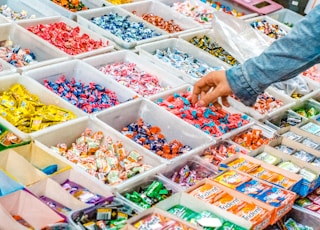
<point x="98" y="131"/>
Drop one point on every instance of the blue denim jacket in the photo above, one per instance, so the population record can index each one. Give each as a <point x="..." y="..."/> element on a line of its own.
<point x="283" y="59"/>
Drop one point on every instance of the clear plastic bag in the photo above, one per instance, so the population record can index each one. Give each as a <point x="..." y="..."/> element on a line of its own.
<point x="295" y="85"/>
<point x="238" y="37"/>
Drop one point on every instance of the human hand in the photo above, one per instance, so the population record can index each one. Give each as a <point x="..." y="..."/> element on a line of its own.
<point x="210" y="87"/>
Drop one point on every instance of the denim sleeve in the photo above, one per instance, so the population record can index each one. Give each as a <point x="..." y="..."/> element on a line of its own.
<point x="285" y="58"/>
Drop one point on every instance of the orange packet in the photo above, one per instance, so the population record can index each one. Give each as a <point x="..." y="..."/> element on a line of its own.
<point x="253" y="213"/>
<point x="243" y="165"/>
<point x="230" y="203"/>
<point x="281" y="180"/>
<point x="261" y="173"/>
<point x="231" y="179"/>
<point x="207" y="192"/>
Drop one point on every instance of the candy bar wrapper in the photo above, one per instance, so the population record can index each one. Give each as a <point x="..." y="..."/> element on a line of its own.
<point x="231" y="179"/>
<point x="81" y="193"/>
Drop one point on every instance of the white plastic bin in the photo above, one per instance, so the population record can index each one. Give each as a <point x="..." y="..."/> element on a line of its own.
<point x="69" y="133"/>
<point x="166" y="79"/>
<point x="157" y="8"/>
<point x="286" y="16"/>
<point x="33" y="9"/>
<point x="285" y="29"/>
<point x="231" y="110"/>
<point x="171" y="126"/>
<point x="6" y="68"/>
<point x="84" y="19"/>
<point x="45" y="54"/>
<point x="149" y="51"/>
<point x="287" y="102"/>
<point x="196" y="8"/>
<point x="45" y="96"/>
<point x="109" y="45"/>
<point x="81" y="72"/>
<point x="91" y="4"/>
<point x="228" y="6"/>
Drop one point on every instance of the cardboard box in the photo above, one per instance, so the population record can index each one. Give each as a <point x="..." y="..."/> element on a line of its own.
<point x="157" y="8"/>
<point x="45" y="53"/>
<point x="197" y="205"/>
<point x="306" y="186"/>
<point x="149" y="50"/>
<point x="172" y="127"/>
<point x="84" y="19"/>
<point x="51" y="189"/>
<point x="69" y="133"/>
<point x="167" y="80"/>
<point x="27" y="206"/>
<point x="16" y="166"/>
<point x="80" y="72"/>
<point x="83" y="30"/>
<point x="41" y="159"/>
<point x="276" y="212"/>
<point x="45" y="96"/>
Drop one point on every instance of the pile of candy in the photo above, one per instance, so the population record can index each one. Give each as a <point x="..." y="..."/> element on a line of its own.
<point x="213" y="48"/>
<point x="103" y="158"/>
<point x="15" y="55"/>
<point x="154" y="140"/>
<point x="8" y="138"/>
<point x="185" y="62"/>
<point x="307" y="110"/>
<point x="271" y="30"/>
<point x="109" y="215"/>
<point x="25" y="110"/>
<point x="119" y="2"/>
<point x="129" y="75"/>
<point x="124" y="28"/>
<point x="287" y="119"/>
<point x="90" y="97"/>
<point x="212" y="120"/>
<point x="167" y="25"/>
<point x="72" y="5"/>
<point x="220" y="151"/>
<point x="218" y="6"/>
<point x="193" y="10"/>
<point x="68" y="39"/>
<point x="6" y="11"/>
<point x="310" y="202"/>
<point x="267" y="103"/>
<point x="251" y="139"/>
<point x="190" y="174"/>
<point x="149" y="195"/>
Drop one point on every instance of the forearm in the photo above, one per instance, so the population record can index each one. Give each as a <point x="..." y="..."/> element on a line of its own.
<point x="284" y="59"/>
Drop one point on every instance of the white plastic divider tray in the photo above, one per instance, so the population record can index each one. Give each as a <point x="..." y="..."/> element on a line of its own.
<point x="194" y="5"/>
<point x="149" y="51"/>
<point x="211" y="34"/>
<point x="137" y="185"/>
<point x="267" y="132"/>
<point x="80" y="72"/>
<point x="3" y="19"/>
<point x="91" y="4"/>
<point x="231" y="109"/>
<point x="84" y="19"/>
<point x="34" y="8"/>
<point x="109" y="44"/>
<point x="166" y="79"/>
<point x="45" y="54"/>
<point x="306" y="105"/>
<point x="286" y="16"/>
<point x="172" y="127"/>
<point x="244" y="13"/>
<point x="156" y="8"/>
<point x="287" y="103"/>
<point x="271" y="21"/>
<point x="45" y="96"/>
<point x="192" y="167"/>
<point x="6" y="68"/>
<point x="70" y="132"/>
